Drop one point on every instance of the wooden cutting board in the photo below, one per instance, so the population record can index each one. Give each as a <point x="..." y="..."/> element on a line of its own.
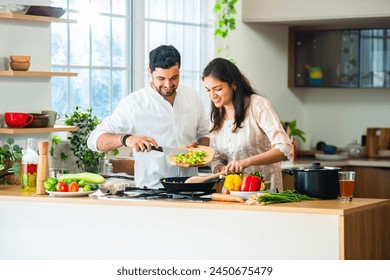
<point x="210" y="152"/>
<point x="377" y="139"/>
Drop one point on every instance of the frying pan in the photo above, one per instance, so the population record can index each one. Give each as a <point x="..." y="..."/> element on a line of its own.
<point x="176" y="184"/>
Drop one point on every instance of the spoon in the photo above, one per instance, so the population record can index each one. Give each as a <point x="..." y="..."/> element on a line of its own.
<point x="201" y="179"/>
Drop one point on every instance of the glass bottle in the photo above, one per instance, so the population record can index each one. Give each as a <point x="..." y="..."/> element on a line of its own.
<point x="29" y="167"/>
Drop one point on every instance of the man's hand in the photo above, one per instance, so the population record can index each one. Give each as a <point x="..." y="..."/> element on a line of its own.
<point x="141" y="143"/>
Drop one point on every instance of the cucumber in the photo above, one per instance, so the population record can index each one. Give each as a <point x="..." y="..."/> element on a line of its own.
<point x="86" y="176"/>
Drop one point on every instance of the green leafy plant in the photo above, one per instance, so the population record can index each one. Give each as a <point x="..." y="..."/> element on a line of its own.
<point x="55" y="141"/>
<point x="225" y="21"/>
<point x="291" y="127"/>
<point x="87" y="160"/>
<point x="10" y="154"/>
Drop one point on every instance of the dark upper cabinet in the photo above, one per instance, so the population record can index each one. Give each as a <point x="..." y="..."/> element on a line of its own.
<point x="341" y="58"/>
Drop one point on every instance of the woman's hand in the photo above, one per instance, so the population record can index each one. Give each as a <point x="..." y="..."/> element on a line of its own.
<point x="237" y="166"/>
<point x="141" y="143"/>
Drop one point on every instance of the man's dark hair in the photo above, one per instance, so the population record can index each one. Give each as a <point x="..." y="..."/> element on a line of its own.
<point x="164" y="57"/>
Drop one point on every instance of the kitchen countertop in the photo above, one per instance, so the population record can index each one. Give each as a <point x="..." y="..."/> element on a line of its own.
<point x="330" y="229"/>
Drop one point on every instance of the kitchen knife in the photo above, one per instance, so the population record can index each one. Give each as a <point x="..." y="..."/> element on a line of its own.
<point x="170" y="151"/>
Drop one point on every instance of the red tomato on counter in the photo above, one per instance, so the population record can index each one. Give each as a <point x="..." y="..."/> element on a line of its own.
<point x="61" y="187"/>
<point x="73" y="187"/>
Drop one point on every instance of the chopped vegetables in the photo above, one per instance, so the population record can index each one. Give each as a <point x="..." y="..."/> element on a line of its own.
<point x="191" y="157"/>
<point x="284" y="196"/>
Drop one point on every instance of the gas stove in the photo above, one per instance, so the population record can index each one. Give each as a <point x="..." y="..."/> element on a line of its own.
<point x="146" y="194"/>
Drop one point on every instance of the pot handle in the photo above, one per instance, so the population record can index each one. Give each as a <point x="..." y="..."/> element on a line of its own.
<point x="288" y="171"/>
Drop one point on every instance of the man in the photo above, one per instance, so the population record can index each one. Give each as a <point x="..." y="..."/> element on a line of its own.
<point x="161" y="114"/>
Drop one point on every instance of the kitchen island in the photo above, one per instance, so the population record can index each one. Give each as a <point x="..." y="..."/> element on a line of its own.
<point x="45" y="227"/>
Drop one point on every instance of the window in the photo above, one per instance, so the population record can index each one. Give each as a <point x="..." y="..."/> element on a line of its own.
<point x="97" y="48"/>
<point x="108" y="48"/>
<point x="189" y="27"/>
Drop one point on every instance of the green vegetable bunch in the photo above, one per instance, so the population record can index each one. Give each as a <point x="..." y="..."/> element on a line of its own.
<point x="284" y="196"/>
<point x="191" y="157"/>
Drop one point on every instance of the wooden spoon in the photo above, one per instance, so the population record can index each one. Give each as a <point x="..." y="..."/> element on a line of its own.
<point x="201" y="179"/>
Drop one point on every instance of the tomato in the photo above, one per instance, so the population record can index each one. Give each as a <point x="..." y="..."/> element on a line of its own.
<point x="73" y="187"/>
<point x="61" y="187"/>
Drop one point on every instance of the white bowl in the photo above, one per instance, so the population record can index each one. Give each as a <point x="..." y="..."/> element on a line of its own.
<point x="245" y="195"/>
<point x="17" y="8"/>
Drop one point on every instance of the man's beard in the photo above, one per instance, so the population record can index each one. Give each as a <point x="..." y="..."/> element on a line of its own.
<point x="163" y="94"/>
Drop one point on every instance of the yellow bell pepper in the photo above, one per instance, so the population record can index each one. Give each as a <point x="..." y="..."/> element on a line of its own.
<point x="233" y="182"/>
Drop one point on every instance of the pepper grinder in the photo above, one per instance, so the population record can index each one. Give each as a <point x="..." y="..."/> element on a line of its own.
<point x="43" y="166"/>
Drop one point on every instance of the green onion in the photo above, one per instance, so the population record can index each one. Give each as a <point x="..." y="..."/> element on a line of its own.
<point x="284" y="196"/>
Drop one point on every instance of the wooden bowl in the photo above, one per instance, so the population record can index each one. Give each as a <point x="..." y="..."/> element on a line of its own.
<point x="20" y="58"/>
<point x="39" y="121"/>
<point x="19" y="66"/>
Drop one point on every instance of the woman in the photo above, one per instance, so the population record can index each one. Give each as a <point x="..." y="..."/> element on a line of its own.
<point x="245" y="130"/>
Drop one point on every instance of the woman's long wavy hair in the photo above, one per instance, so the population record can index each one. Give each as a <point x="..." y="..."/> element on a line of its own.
<point x="225" y="71"/>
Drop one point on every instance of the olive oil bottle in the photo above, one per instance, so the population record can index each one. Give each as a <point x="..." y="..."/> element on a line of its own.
<point x="29" y="167"/>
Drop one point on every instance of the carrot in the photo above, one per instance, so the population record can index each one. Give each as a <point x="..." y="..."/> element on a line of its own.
<point x="226" y="197"/>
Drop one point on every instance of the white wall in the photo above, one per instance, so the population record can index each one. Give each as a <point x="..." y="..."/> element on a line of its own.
<point x="334" y="115"/>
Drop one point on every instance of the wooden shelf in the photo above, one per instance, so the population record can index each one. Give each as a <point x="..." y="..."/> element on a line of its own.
<point x="36" y="73"/>
<point x="7" y="130"/>
<point x="12" y="16"/>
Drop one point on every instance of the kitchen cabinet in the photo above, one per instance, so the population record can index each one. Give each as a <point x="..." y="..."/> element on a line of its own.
<point x="313" y="11"/>
<point x="371" y="182"/>
<point x="339" y="57"/>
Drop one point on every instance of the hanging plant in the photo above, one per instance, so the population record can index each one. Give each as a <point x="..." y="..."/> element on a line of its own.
<point x="225" y="21"/>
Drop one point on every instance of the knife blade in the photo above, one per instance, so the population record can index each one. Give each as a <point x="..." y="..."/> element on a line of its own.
<point x="170" y="151"/>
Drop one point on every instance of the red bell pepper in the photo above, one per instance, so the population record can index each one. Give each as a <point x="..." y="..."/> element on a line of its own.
<point x="251" y="183"/>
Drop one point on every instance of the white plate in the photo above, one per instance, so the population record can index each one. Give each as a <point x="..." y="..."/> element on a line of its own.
<point x="69" y="194"/>
<point x="331" y="157"/>
<point x="245" y="195"/>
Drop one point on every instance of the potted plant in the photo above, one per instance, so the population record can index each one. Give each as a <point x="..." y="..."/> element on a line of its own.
<point x="293" y="131"/>
<point x="10" y="157"/>
<point x="85" y="159"/>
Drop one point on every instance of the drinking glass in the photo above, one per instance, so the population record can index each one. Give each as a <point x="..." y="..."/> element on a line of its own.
<point x="347" y="185"/>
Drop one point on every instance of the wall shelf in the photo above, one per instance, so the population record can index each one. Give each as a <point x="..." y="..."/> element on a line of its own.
<point x="36" y="73"/>
<point x="7" y="130"/>
<point x="11" y="16"/>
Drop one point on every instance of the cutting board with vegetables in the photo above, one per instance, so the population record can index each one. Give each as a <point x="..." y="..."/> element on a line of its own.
<point x="199" y="156"/>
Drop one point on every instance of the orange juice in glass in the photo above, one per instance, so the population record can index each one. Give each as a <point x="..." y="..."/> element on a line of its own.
<point x="347" y="185"/>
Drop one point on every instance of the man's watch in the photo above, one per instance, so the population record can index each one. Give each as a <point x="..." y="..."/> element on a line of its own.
<point x="124" y="138"/>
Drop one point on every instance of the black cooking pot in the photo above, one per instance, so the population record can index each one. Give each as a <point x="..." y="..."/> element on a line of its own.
<point x="316" y="181"/>
<point x="176" y="184"/>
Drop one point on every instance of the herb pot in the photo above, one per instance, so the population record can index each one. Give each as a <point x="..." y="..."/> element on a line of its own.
<point x="316" y="181"/>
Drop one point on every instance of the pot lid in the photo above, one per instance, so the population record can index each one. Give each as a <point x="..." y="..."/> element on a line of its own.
<point x="316" y="166"/>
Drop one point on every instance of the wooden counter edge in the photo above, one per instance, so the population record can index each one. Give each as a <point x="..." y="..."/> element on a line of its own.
<point x="324" y="207"/>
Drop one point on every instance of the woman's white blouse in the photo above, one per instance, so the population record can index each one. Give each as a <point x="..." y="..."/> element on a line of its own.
<point x="261" y="131"/>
